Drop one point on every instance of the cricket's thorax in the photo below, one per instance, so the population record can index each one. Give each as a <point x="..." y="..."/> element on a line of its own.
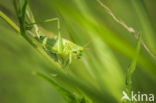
<point x="69" y="47"/>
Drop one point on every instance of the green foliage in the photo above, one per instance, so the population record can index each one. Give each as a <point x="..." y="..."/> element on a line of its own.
<point x="69" y="96"/>
<point x="131" y="68"/>
<point x="99" y="76"/>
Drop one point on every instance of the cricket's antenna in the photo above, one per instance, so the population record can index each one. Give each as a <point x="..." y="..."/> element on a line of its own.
<point x="85" y="46"/>
<point x="87" y="43"/>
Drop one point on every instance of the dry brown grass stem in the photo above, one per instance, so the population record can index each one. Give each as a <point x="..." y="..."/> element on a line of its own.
<point x="131" y="30"/>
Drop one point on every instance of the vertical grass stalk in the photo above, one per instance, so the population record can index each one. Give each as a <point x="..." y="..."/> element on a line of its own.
<point x="132" y="67"/>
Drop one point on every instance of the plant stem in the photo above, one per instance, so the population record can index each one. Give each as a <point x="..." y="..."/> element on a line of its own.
<point x="129" y="29"/>
<point x="145" y="24"/>
<point x="9" y="21"/>
<point x="38" y="47"/>
<point x="132" y="68"/>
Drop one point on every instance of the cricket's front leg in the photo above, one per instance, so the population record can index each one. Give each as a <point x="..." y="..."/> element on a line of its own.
<point x="70" y="58"/>
<point x="68" y="61"/>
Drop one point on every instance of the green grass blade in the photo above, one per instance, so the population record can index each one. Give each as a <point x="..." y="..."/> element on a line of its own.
<point x="69" y="97"/>
<point x="9" y="21"/>
<point x="132" y="67"/>
<point x="66" y="94"/>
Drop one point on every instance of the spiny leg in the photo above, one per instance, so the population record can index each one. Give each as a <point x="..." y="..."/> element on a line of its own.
<point x="31" y="19"/>
<point x="60" y="40"/>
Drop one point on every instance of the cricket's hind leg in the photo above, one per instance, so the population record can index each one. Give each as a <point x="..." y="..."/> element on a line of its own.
<point x="60" y="41"/>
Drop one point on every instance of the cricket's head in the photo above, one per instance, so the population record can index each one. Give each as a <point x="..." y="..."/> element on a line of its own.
<point x="70" y="47"/>
<point x="78" y="52"/>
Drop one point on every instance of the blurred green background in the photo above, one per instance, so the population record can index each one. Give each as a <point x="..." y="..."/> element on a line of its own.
<point x="105" y="61"/>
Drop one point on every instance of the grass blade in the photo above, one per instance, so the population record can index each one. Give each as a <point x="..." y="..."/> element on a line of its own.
<point x="132" y="67"/>
<point x="9" y="21"/>
<point x="68" y="96"/>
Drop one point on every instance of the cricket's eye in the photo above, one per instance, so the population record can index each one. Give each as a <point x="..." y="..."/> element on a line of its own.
<point x="75" y="52"/>
<point x="41" y="37"/>
<point x="79" y="57"/>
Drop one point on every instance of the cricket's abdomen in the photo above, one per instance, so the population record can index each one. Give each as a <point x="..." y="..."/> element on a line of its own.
<point x="49" y="43"/>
